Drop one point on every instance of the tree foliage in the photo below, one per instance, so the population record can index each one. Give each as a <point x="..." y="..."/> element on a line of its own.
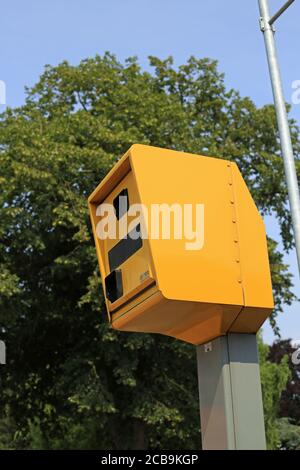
<point x="274" y="378"/>
<point x="71" y="381"/>
<point x="289" y="435"/>
<point x="290" y="399"/>
<point x="289" y="405"/>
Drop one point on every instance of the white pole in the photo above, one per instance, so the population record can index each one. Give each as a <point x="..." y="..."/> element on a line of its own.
<point x="283" y="125"/>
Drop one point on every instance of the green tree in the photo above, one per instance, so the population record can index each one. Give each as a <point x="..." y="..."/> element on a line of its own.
<point x="290" y="398"/>
<point x="289" y="405"/>
<point x="274" y="378"/>
<point x="71" y="381"/>
<point x="289" y="435"/>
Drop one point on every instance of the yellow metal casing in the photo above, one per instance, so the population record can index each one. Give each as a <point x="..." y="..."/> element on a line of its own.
<point x="192" y="295"/>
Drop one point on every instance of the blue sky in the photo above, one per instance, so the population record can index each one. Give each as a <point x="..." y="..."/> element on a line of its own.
<point x="39" y="32"/>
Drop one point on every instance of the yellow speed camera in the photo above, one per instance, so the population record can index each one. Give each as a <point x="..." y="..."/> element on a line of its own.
<point x="181" y="246"/>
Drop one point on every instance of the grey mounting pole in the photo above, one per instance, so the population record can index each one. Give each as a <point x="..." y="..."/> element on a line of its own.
<point x="266" y="24"/>
<point x="231" y="408"/>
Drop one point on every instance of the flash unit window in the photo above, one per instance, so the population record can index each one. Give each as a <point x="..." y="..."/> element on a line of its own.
<point x="121" y="203"/>
<point x="125" y="248"/>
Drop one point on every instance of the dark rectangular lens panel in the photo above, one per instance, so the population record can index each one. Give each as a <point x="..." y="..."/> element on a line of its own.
<point x="113" y="286"/>
<point x="121" y="203"/>
<point x="124" y="249"/>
